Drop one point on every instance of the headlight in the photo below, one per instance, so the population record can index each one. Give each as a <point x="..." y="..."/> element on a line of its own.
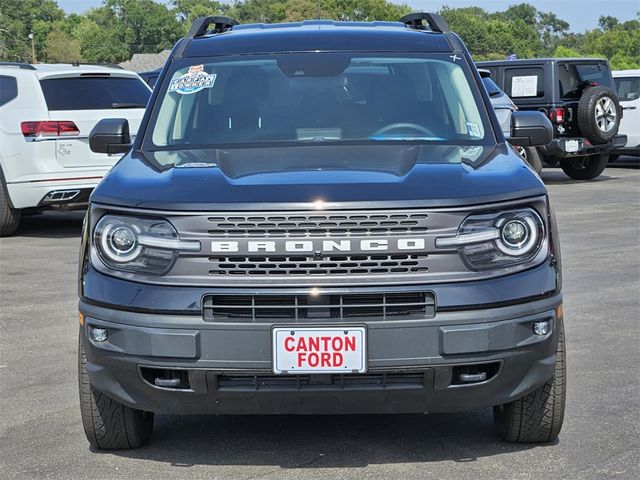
<point x="144" y="245"/>
<point x="498" y="240"/>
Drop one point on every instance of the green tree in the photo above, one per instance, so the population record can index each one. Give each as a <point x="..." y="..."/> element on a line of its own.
<point x="120" y="28"/>
<point x="188" y="10"/>
<point x="62" y="48"/>
<point x="19" y="18"/>
<point x="259" y="11"/>
<point x="271" y="11"/>
<point x="565" y="52"/>
<point x="552" y="30"/>
<point x="607" y="22"/>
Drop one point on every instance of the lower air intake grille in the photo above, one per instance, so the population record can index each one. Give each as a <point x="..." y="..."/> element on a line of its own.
<point x="366" y="381"/>
<point x="329" y="305"/>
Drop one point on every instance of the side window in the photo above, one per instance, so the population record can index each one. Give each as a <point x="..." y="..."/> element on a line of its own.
<point x="628" y="88"/>
<point x="8" y="89"/>
<point x="524" y="82"/>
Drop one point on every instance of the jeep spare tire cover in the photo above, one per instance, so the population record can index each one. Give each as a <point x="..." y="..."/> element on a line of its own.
<point x="599" y="114"/>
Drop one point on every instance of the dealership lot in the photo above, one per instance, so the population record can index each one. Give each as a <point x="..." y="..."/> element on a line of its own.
<point x="41" y="434"/>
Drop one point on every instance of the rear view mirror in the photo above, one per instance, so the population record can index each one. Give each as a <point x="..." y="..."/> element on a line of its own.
<point x="110" y="135"/>
<point x="530" y="128"/>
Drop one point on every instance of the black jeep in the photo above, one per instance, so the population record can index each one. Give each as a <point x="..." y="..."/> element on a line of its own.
<point x="578" y="96"/>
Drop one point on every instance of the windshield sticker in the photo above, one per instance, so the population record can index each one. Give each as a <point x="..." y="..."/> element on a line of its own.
<point x="193" y="81"/>
<point x="473" y="130"/>
<point x="524" y="86"/>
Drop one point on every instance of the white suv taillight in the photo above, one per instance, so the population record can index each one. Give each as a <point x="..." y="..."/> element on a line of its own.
<point x="49" y="128"/>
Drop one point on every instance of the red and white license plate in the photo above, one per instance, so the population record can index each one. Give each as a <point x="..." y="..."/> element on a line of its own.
<point x="319" y="349"/>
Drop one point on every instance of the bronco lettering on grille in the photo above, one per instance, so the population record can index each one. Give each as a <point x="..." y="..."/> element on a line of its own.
<point x="311" y="246"/>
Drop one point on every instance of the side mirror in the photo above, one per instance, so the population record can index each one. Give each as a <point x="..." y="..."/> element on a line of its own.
<point x="530" y="128"/>
<point x="110" y="135"/>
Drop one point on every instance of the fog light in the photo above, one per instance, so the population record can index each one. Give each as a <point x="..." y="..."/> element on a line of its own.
<point x="541" y="328"/>
<point x="99" y="334"/>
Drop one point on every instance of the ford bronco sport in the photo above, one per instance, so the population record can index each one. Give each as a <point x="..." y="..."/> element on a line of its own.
<point x="578" y="95"/>
<point x="318" y="218"/>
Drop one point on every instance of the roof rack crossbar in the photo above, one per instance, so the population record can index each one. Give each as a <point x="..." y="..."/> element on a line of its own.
<point x="200" y="26"/>
<point x="436" y="22"/>
<point x="24" y="66"/>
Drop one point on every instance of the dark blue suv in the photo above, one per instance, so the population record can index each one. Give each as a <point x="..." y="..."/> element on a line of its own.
<point x="320" y="217"/>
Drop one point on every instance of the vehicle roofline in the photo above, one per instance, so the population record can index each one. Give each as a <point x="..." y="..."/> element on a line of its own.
<point x="626" y="73"/>
<point x="541" y="59"/>
<point x="68" y="72"/>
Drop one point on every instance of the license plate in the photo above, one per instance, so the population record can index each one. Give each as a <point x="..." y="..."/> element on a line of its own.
<point x="319" y="350"/>
<point x="572" y="146"/>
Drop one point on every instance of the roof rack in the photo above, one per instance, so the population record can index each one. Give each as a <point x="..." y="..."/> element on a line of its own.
<point x="200" y="26"/>
<point x="24" y="66"/>
<point x="435" y="22"/>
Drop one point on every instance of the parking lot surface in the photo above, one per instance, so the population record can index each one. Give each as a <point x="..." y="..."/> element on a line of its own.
<point x="41" y="434"/>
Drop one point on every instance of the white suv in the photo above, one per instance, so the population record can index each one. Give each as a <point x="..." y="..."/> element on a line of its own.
<point x="46" y="114"/>
<point x="628" y="87"/>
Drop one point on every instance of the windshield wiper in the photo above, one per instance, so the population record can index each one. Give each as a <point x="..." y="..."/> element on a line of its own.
<point x="127" y="105"/>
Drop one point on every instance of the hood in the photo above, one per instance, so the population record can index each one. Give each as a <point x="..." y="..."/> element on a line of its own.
<point x="299" y="177"/>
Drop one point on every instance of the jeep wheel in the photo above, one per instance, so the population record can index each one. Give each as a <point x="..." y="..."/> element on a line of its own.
<point x="9" y="217"/>
<point x="599" y="114"/>
<point x="584" y="168"/>
<point x="536" y="417"/>
<point x="109" y="424"/>
<point x="531" y="156"/>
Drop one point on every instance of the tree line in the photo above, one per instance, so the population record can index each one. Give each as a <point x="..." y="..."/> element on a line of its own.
<point x="116" y="30"/>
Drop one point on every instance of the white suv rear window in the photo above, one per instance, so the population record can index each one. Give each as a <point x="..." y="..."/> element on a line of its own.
<point x="94" y="93"/>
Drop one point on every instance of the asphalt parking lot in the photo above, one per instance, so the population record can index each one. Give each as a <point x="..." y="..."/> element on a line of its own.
<point x="41" y="434"/>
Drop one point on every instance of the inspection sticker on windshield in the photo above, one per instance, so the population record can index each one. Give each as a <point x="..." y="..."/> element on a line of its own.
<point x="473" y="130"/>
<point x="193" y="81"/>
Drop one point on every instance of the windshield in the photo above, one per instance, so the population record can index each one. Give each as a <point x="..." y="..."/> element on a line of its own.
<point x="317" y="97"/>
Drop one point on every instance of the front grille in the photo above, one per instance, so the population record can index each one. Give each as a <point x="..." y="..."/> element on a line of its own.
<point x="316" y="225"/>
<point x="330" y="265"/>
<point x="329" y="306"/>
<point x="361" y="381"/>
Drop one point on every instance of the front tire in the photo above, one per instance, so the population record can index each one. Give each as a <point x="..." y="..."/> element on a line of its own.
<point x="538" y="416"/>
<point x="584" y="168"/>
<point x="109" y="425"/>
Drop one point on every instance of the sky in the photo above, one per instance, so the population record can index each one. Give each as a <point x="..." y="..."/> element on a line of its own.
<point x="581" y="14"/>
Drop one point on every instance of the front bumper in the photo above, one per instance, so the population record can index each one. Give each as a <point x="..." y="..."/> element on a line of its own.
<point x="413" y="365"/>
